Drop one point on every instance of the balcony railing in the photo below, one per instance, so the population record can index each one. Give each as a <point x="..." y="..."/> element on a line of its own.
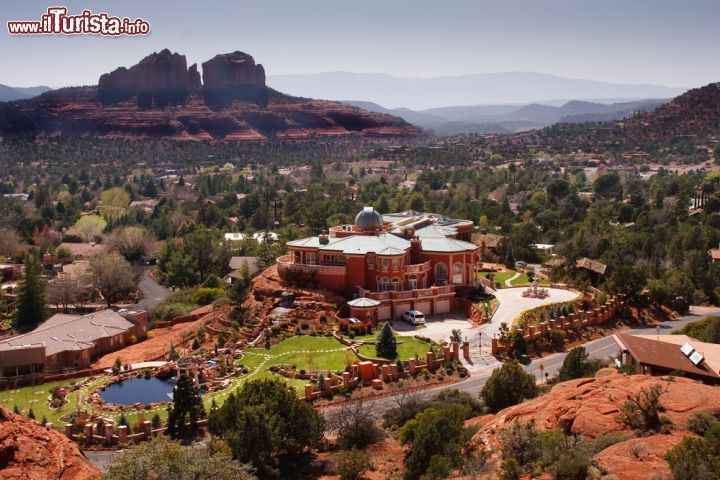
<point x="286" y="262"/>
<point x="403" y="294"/>
<point x="419" y="268"/>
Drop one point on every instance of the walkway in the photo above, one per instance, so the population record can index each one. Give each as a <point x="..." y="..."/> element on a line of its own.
<point x="508" y="282"/>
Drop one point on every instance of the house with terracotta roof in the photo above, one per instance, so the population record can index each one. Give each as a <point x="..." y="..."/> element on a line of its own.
<point x="407" y="260"/>
<point x="714" y="255"/>
<point x="661" y="354"/>
<point x="65" y="342"/>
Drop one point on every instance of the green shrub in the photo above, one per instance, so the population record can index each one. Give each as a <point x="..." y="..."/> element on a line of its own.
<point x="206" y="295"/>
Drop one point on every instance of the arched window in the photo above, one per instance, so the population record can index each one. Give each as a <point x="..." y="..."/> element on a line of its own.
<point x="412" y="282"/>
<point x="396" y="284"/>
<point x="441" y="274"/>
<point x="457" y="273"/>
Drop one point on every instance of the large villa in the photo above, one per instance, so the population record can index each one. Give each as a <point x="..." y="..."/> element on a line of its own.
<point x="397" y="262"/>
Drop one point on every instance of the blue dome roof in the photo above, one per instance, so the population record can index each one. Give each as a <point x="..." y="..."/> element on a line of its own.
<point x="368" y="218"/>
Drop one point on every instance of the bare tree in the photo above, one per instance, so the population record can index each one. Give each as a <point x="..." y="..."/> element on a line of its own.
<point x="9" y="243"/>
<point x="354" y="424"/>
<point x="131" y="242"/>
<point x="113" y="276"/>
<point x="64" y="291"/>
<point x="407" y="405"/>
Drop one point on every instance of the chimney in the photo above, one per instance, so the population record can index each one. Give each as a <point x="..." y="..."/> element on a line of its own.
<point x="415" y="250"/>
<point x="323" y="238"/>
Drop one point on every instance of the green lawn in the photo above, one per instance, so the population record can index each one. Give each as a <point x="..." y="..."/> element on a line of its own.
<point x="407" y="348"/>
<point x="305" y="352"/>
<point x="522" y="279"/>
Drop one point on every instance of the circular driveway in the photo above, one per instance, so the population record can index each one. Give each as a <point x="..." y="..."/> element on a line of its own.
<point x="512" y="303"/>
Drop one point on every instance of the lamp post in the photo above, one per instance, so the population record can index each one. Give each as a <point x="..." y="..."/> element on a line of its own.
<point x="480" y="342"/>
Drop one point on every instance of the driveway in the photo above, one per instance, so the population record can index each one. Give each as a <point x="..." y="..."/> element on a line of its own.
<point x="153" y="292"/>
<point x="512" y="303"/>
<point x="437" y="327"/>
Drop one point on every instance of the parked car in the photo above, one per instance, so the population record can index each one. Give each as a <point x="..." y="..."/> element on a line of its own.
<point x="414" y="317"/>
<point x="353" y="320"/>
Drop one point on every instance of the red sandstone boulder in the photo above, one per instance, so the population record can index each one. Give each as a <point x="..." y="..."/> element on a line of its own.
<point x="590" y="406"/>
<point x="637" y="458"/>
<point x="29" y="451"/>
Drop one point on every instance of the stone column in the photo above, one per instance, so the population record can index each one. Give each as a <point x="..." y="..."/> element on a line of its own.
<point x="385" y="373"/>
<point x="122" y="434"/>
<point x="430" y="360"/>
<point x="456" y="351"/>
<point x="88" y="432"/>
<point x="147" y="428"/>
<point x="109" y="430"/>
<point x="69" y="430"/>
<point x="466" y="350"/>
<point x="543" y="329"/>
<point x="346" y="378"/>
<point x="394" y="370"/>
<point x="447" y="354"/>
<point x="412" y="366"/>
<point x="309" y="388"/>
<point x="563" y="323"/>
<point x="494" y="346"/>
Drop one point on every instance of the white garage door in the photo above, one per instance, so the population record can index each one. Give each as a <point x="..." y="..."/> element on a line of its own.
<point x="401" y="308"/>
<point x="384" y="312"/>
<point x="442" y="306"/>
<point x="424" y="307"/>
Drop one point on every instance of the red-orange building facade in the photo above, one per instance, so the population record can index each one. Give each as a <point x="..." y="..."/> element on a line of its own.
<point x="408" y="260"/>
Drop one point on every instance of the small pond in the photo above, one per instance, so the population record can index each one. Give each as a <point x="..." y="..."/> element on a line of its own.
<point x="139" y="390"/>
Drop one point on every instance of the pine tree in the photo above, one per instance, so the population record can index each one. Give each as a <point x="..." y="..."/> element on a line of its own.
<point x="31" y="297"/>
<point x="31" y="414"/>
<point x="186" y="406"/>
<point x="386" y="344"/>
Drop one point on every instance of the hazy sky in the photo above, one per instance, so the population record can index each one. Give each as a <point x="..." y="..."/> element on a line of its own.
<point x="666" y="42"/>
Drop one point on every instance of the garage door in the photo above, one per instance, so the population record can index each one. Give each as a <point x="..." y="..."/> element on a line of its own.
<point x="401" y="308"/>
<point x="442" y="306"/>
<point x="424" y="307"/>
<point x="384" y="312"/>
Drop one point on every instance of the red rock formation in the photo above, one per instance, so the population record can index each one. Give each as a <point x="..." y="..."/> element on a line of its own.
<point x="590" y="407"/>
<point x="233" y="76"/>
<point x="638" y="458"/>
<point x="160" y="79"/>
<point x="234" y="105"/>
<point x="29" y="451"/>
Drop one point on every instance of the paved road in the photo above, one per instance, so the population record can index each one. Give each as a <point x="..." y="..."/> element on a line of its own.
<point x="153" y="292"/>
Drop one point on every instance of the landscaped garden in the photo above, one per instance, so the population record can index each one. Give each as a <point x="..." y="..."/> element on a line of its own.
<point x="298" y="353"/>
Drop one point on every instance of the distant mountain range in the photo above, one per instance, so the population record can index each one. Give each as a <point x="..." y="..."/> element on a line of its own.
<point x="511" y="118"/>
<point x="8" y="94"/>
<point x="477" y="89"/>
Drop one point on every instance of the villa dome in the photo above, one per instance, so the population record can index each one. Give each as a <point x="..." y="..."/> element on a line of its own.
<point x="368" y="218"/>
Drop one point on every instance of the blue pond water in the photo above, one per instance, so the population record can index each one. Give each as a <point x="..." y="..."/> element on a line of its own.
<point x="139" y="390"/>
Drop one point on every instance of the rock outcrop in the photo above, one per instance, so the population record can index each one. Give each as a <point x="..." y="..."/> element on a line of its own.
<point x="233" y="76"/>
<point x="159" y="80"/>
<point x="234" y="104"/>
<point x="590" y="407"/>
<point x="29" y="451"/>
